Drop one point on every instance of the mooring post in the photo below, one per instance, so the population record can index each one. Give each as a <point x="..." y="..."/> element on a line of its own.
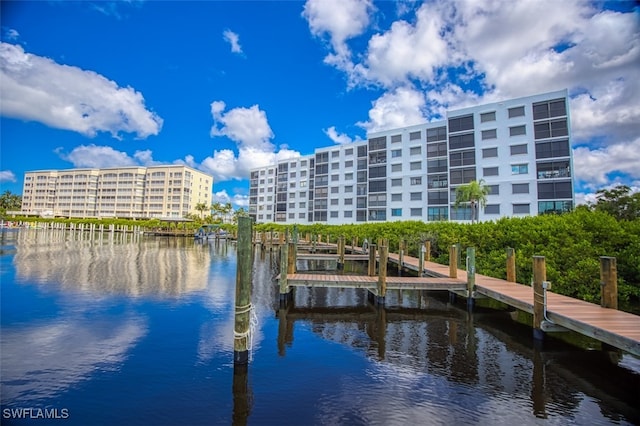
<point x="539" y="277"/>
<point x="382" y="273"/>
<point x="609" y="282"/>
<point x="423" y="251"/>
<point x="511" y="265"/>
<point x="471" y="275"/>
<point x="400" y="255"/>
<point x="427" y="253"/>
<point x="284" y="268"/>
<point x="372" y="260"/>
<point x="341" y="248"/>
<point x="453" y="267"/>
<point x="291" y="260"/>
<point x="244" y="279"/>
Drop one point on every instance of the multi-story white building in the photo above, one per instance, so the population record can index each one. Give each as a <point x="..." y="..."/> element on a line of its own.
<point x="167" y="191"/>
<point x="521" y="148"/>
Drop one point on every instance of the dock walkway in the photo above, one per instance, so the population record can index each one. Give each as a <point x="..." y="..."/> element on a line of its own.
<point x="616" y="328"/>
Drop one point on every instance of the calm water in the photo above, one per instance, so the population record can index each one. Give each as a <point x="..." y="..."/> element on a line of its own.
<point x="135" y="330"/>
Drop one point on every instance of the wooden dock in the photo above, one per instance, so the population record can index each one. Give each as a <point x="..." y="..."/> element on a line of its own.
<point x="561" y="313"/>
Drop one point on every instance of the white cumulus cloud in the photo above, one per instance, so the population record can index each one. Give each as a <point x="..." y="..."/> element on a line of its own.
<point x="233" y="39"/>
<point x="250" y="130"/>
<point x="36" y="88"/>
<point x="97" y="156"/>
<point x="7" y="176"/>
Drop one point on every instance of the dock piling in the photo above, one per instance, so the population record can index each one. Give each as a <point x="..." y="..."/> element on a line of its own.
<point x="511" y="265"/>
<point x="453" y="266"/>
<point x="372" y="260"/>
<point x="539" y="277"/>
<point x="244" y="278"/>
<point x="609" y="282"/>
<point x="382" y="273"/>
<point x="471" y="276"/>
<point x="423" y="251"/>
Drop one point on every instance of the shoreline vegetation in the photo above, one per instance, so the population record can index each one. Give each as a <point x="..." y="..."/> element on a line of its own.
<point x="571" y="243"/>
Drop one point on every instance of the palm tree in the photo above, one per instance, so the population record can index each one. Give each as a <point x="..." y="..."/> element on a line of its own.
<point x="474" y="193"/>
<point x="201" y="207"/>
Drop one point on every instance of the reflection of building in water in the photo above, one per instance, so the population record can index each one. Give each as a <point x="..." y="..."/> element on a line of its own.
<point x="107" y="263"/>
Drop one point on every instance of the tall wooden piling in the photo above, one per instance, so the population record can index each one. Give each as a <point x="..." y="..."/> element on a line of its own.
<point x="511" y="265"/>
<point x="609" y="282"/>
<point x="341" y="250"/>
<point x="244" y="279"/>
<point x="423" y="251"/>
<point x="539" y="277"/>
<point x="427" y="251"/>
<point x="453" y="265"/>
<point x="284" y="267"/>
<point x="382" y="273"/>
<point x="471" y="275"/>
<point x="372" y="260"/>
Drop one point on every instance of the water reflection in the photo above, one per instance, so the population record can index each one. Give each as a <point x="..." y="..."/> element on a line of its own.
<point x="40" y="361"/>
<point x="111" y="263"/>
<point x="467" y="365"/>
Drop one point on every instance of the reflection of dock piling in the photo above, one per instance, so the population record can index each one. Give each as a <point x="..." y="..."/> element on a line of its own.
<point x="244" y="275"/>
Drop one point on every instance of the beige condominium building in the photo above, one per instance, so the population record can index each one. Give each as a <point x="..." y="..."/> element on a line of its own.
<point x="165" y="191"/>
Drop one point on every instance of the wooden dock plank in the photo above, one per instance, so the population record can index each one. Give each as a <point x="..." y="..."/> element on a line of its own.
<point x="616" y="328"/>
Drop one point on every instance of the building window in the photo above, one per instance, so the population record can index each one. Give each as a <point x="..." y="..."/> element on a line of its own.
<point x="348" y="188"/>
<point x="414" y="136"/>
<point x="348" y="164"/>
<point x="348" y="201"/>
<point x="516" y="112"/>
<point x="334" y="214"/>
<point x="348" y="151"/>
<point x="416" y="212"/>
<point x="335" y="189"/>
<point x="548" y="109"/>
<point x="519" y="169"/>
<point x="396" y="138"/>
<point x="416" y="196"/>
<point x="489" y="134"/>
<point x="487" y="116"/>
<point x="520" y="188"/>
<point x="517" y="130"/>
<point x="335" y="178"/>
<point x="396" y="212"/>
<point x="396" y="182"/>
<point x="377" y="143"/>
<point x="492" y="209"/>
<point x="301" y="215"/>
<point x="521" y="209"/>
<point x="459" y="124"/>
<point x="335" y="166"/>
<point x="395" y="153"/>
<point x="461" y="141"/>
<point x="377" y="215"/>
<point x="377" y="200"/>
<point x="396" y="197"/>
<point x="553" y="169"/>
<point x="416" y="180"/>
<point x="396" y="167"/>
<point x="416" y="165"/>
<point x="552" y="149"/>
<point x="438" y="181"/>
<point x="490" y="171"/>
<point x="518" y="149"/>
<point x="494" y="190"/>
<point x="348" y="213"/>
<point x="437" y="213"/>
<point x="554" y="207"/>
<point x="415" y="150"/>
<point x="437" y="166"/>
<point x="437" y="197"/>
<point x="461" y="176"/>
<point x="437" y="134"/>
<point x="551" y="190"/>
<point x="489" y="152"/>
<point x="335" y="154"/>
<point x="302" y="204"/>
<point x="551" y="129"/>
<point x="438" y="149"/>
<point x="348" y="176"/>
<point x="462" y="158"/>
<point x="378" y="186"/>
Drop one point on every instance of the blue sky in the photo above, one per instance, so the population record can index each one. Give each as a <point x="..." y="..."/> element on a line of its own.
<point x="225" y="86"/>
